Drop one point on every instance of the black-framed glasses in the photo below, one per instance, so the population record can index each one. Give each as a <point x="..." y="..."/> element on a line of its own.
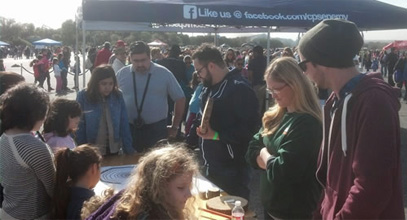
<point x="303" y="65"/>
<point x="275" y="91"/>
<point x="198" y="72"/>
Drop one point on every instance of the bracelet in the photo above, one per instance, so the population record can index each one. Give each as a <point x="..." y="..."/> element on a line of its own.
<point x="215" y="136"/>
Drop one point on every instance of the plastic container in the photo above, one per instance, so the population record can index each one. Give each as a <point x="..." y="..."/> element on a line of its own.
<point x="238" y="211"/>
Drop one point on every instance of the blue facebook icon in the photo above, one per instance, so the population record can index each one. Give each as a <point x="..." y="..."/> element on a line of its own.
<point x="190" y="12"/>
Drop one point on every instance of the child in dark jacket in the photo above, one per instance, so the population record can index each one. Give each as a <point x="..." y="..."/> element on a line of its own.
<point x="78" y="172"/>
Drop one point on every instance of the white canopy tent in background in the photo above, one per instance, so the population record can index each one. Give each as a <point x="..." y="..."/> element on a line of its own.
<point x="2" y="43"/>
<point x="47" y="42"/>
<point x="157" y="43"/>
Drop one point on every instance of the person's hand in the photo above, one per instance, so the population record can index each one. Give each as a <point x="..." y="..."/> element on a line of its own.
<point x="264" y="153"/>
<point x="209" y="135"/>
<point x="263" y="157"/>
<point x="172" y="131"/>
<point x="260" y="162"/>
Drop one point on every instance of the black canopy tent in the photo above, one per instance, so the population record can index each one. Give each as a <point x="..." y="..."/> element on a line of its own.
<point x="160" y="15"/>
<point x="234" y="16"/>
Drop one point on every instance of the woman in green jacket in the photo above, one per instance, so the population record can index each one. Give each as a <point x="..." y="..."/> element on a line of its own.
<point x="287" y="145"/>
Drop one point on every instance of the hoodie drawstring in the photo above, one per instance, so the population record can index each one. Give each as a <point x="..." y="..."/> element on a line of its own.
<point x="343" y="125"/>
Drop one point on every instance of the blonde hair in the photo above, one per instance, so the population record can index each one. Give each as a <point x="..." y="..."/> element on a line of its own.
<point x="148" y="185"/>
<point x="95" y="202"/>
<point x="286" y="70"/>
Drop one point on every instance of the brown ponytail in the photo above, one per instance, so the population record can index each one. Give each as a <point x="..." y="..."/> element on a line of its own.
<point x="71" y="165"/>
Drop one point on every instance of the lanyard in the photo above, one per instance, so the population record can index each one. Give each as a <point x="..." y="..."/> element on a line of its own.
<point x="140" y="108"/>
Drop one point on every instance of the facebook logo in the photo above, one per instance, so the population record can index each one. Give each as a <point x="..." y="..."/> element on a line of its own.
<point x="190" y="12"/>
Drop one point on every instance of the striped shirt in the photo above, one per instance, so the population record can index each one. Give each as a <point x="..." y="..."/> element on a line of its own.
<point x="27" y="174"/>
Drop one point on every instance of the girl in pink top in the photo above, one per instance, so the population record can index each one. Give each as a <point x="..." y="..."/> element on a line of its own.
<point x="62" y="120"/>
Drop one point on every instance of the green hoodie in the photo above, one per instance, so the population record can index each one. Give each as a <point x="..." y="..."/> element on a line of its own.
<point x="289" y="188"/>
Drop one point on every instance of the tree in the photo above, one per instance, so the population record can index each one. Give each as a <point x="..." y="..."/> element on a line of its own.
<point x="10" y="30"/>
<point x="67" y="32"/>
<point x="27" y="30"/>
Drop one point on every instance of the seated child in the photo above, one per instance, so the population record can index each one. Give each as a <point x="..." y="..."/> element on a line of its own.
<point x="158" y="189"/>
<point x="77" y="173"/>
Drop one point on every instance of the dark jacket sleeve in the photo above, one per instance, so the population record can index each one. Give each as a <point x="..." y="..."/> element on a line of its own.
<point x="297" y="153"/>
<point x="254" y="149"/>
<point x="245" y="106"/>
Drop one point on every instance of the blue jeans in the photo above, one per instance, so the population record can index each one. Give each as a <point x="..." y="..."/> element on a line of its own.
<point x="234" y="181"/>
<point x="148" y="135"/>
<point x="383" y="69"/>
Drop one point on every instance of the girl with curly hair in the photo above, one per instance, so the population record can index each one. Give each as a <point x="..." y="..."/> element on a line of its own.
<point x="158" y="189"/>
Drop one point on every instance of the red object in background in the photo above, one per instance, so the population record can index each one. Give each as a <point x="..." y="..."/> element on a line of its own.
<point x="398" y="44"/>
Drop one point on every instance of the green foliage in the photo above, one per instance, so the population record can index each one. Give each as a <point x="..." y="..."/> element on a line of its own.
<point x="67" y="32"/>
<point x="372" y="45"/>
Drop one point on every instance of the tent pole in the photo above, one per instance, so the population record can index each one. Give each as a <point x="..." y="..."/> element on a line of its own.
<point x="268" y="61"/>
<point x="215" y="39"/>
<point x="76" y="54"/>
<point x="83" y="54"/>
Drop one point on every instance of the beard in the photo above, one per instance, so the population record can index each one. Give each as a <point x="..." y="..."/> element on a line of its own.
<point x="207" y="81"/>
<point x="141" y="69"/>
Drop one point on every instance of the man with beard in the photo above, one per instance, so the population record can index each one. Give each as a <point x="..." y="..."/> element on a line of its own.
<point x="233" y="122"/>
<point x="145" y="87"/>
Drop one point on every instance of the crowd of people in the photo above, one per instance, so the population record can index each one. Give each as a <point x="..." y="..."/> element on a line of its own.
<point x="335" y="161"/>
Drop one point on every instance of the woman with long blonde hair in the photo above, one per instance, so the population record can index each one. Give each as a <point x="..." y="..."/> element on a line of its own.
<point x="287" y="145"/>
<point x="160" y="188"/>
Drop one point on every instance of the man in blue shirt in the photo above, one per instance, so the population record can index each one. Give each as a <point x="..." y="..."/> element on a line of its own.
<point x="146" y="87"/>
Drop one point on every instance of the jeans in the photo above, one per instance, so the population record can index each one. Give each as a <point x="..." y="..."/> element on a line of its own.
<point x="383" y="70"/>
<point x="148" y="135"/>
<point x="64" y="75"/>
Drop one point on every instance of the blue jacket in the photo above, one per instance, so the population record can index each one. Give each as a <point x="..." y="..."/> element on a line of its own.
<point x="78" y="197"/>
<point x="89" y="124"/>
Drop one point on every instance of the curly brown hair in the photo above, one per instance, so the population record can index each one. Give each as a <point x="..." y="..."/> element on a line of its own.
<point x="22" y="106"/>
<point x="148" y="185"/>
<point x="147" y="189"/>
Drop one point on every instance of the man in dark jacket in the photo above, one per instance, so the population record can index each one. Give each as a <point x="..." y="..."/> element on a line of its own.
<point x="391" y="63"/>
<point x="359" y="162"/>
<point x="256" y="69"/>
<point x="178" y="68"/>
<point x="233" y="122"/>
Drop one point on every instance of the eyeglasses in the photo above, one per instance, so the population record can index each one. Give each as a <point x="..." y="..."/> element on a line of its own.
<point x="198" y="72"/>
<point x="275" y="91"/>
<point x="140" y="61"/>
<point x="303" y="65"/>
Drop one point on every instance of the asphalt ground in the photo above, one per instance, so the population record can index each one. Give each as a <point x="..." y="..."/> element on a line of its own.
<point x="255" y="203"/>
